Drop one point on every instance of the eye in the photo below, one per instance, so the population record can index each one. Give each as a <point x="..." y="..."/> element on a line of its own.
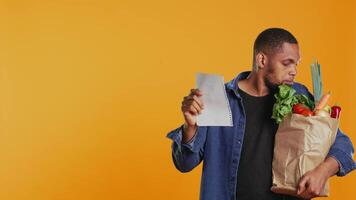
<point x="286" y="64"/>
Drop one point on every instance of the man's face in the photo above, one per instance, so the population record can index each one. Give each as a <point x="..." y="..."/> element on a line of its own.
<point x="281" y="66"/>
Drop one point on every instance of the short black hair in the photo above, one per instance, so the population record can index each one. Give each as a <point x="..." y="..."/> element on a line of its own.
<point x="270" y="40"/>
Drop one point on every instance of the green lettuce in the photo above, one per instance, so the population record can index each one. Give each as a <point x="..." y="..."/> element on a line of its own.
<point x="286" y="98"/>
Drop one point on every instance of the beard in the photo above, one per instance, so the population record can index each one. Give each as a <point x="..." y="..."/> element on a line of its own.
<point x="271" y="85"/>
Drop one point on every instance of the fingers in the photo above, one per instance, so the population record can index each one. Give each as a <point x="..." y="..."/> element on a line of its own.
<point x="197" y="107"/>
<point x="192" y="107"/>
<point x="192" y="104"/>
<point x="194" y="98"/>
<point x="307" y="188"/>
<point x="196" y="92"/>
<point x="302" y="185"/>
<point x="313" y="191"/>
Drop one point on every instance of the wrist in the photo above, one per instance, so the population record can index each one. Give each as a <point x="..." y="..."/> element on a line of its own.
<point x="188" y="132"/>
<point x="188" y="126"/>
<point x="330" y="166"/>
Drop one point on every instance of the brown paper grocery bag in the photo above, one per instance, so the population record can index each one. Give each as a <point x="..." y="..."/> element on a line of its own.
<point x="301" y="144"/>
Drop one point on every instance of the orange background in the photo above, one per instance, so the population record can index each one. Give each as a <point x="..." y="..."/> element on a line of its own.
<point x="89" y="89"/>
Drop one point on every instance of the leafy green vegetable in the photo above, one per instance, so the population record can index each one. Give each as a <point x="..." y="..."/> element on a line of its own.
<point x="305" y="100"/>
<point x="285" y="100"/>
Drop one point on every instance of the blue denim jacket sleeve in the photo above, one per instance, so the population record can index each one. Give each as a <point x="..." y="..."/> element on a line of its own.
<point x="342" y="149"/>
<point x="186" y="156"/>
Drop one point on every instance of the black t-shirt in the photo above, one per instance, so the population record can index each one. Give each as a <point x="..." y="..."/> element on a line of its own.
<point x="254" y="177"/>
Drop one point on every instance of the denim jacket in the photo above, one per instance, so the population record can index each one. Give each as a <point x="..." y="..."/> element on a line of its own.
<point x="220" y="148"/>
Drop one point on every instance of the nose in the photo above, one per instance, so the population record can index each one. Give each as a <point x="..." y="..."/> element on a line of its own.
<point x="293" y="72"/>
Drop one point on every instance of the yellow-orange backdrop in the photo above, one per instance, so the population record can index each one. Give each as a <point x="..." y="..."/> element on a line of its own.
<point x="89" y="89"/>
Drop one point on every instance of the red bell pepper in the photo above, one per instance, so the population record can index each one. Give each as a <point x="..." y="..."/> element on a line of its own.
<point x="302" y="109"/>
<point x="335" y="112"/>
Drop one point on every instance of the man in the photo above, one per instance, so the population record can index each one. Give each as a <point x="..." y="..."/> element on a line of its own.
<point x="238" y="160"/>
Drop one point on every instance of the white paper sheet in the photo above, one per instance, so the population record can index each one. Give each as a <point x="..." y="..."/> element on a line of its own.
<point x="216" y="110"/>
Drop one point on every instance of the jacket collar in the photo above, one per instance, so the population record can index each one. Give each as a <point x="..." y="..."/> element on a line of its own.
<point x="232" y="85"/>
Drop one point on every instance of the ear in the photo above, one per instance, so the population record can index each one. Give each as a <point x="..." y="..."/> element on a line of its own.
<point x="261" y="60"/>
